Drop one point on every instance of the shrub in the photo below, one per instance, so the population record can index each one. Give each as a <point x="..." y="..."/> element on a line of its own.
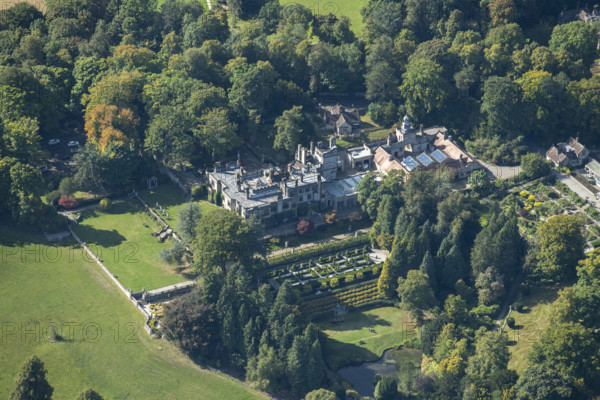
<point x="359" y="275"/>
<point x="67" y="186"/>
<point x="199" y="191"/>
<point x="305" y="227"/>
<point x="334" y="282"/>
<point x="52" y="197"/>
<point x="67" y="201"/>
<point x="105" y="204"/>
<point x="349" y="279"/>
<point x="518" y="306"/>
<point x="510" y="321"/>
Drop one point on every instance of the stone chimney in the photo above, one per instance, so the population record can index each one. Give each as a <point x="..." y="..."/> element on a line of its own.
<point x="299" y="152"/>
<point x="296" y="183"/>
<point x="389" y="138"/>
<point x="271" y="174"/>
<point x="332" y="142"/>
<point x="303" y="156"/>
<point x="247" y="192"/>
<point x="390" y="158"/>
<point x="312" y="147"/>
<point x="301" y="176"/>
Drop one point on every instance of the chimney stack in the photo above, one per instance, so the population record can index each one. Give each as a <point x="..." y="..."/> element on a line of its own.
<point x="247" y="192"/>
<point x="312" y="147"/>
<point x="389" y="138"/>
<point x="303" y="156"/>
<point x="332" y="142"/>
<point x="390" y="158"/>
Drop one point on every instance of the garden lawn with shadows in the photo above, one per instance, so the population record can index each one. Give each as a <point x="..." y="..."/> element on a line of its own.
<point x="121" y="238"/>
<point x="170" y="199"/>
<point x="351" y="342"/>
<point x="529" y="324"/>
<point x="100" y="340"/>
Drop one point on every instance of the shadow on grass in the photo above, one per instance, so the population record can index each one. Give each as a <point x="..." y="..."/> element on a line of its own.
<point x="357" y="321"/>
<point x="100" y="237"/>
<point x="166" y="195"/>
<point x="339" y="354"/>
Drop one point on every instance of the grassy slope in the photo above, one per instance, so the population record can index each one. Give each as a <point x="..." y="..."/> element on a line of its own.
<point x="126" y="247"/>
<point x="529" y="325"/>
<point x="349" y="8"/>
<point x="130" y="365"/>
<point x="350" y="342"/>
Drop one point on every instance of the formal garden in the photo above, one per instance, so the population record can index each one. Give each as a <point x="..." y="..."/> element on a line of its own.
<point x="537" y="202"/>
<point x="327" y="266"/>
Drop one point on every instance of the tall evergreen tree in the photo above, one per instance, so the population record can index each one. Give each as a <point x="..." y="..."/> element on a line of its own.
<point x="31" y="383"/>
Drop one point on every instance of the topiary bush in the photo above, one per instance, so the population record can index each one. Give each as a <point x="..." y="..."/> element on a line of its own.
<point x="105" y="204"/>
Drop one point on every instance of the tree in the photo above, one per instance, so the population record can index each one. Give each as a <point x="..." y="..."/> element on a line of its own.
<point x="169" y="135"/>
<point x="415" y="293"/>
<point x="480" y="181"/>
<point x="21" y="139"/>
<point x="266" y="369"/>
<point x="503" y="12"/>
<point x="222" y="236"/>
<point x="570" y="348"/>
<point x="425" y="90"/>
<point x="189" y="216"/>
<point x="487" y="368"/>
<point x="192" y="324"/>
<point x="534" y="165"/>
<point x="305" y="227"/>
<point x="501" y="106"/>
<point x="386" y="389"/>
<point x="577" y="38"/>
<point x="561" y="246"/>
<point x="293" y="127"/>
<point x="31" y="383"/>
<point x="321" y="394"/>
<point x="542" y="382"/>
<point x="89" y="394"/>
<point x="217" y="132"/>
<point x="122" y="90"/>
<point x="106" y="125"/>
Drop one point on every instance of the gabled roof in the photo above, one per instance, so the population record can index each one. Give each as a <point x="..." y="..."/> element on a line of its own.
<point x="383" y="162"/>
<point x="575" y="145"/>
<point x="341" y="121"/>
<point x="555" y="156"/>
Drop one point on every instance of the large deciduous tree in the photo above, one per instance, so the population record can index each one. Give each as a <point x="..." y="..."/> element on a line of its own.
<point x="561" y="246"/>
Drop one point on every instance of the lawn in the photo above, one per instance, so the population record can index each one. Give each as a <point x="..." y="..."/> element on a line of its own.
<point x="171" y="199"/>
<point x="351" y="343"/>
<point x="106" y="347"/>
<point x="120" y="239"/>
<point x="529" y="324"/>
<point x="350" y="8"/>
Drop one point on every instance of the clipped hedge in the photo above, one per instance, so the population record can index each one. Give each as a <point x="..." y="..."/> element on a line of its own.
<point x="319" y="306"/>
<point x="318" y="250"/>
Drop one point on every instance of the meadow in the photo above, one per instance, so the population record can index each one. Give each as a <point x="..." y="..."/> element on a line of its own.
<point x="100" y="341"/>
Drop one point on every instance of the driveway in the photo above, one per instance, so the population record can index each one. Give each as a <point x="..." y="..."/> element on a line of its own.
<point x="577" y="187"/>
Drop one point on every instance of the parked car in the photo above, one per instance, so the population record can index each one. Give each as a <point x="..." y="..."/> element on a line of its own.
<point x="73" y="143"/>
<point x="53" y="141"/>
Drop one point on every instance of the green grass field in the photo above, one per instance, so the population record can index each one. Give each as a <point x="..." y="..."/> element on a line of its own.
<point x="118" y="237"/>
<point x="530" y="324"/>
<point x="350" y="9"/>
<point x="171" y="199"/>
<point x="106" y="347"/>
<point x="350" y="342"/>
